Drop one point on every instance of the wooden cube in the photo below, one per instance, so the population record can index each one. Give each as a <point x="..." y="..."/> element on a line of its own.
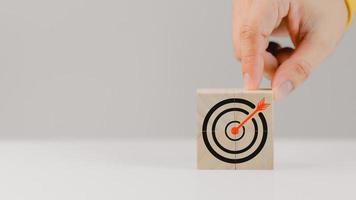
<point x="234" y="129"/>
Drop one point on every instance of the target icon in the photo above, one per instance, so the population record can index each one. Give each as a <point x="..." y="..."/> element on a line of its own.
<point x="236" y="130"/>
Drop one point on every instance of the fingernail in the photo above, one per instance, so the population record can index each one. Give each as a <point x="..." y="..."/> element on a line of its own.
<point x="246" y="78"/>
<point x="283" y="90"/>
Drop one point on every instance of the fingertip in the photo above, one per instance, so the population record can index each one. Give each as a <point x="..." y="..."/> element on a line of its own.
<point x="250" y="83"/>
<point x="283" y="90"/>
<point x="246" y="79"/>
<point x="252" y="68"/>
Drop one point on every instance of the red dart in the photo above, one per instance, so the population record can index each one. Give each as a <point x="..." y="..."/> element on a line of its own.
<point x="262" y="105"/>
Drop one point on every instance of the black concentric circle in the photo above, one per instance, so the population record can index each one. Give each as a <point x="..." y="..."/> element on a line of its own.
<point x="205" y="131"/>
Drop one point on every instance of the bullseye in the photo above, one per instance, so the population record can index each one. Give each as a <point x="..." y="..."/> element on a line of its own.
<point x="235" y="131"/>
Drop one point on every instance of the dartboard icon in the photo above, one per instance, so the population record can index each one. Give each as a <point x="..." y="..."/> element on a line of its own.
<point x="235" y="130"/>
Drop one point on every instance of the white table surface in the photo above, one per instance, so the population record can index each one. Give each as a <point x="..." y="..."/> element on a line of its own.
<point x="165" y="169"/>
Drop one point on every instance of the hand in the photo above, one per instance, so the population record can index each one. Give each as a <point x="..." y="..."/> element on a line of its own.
<point x="314" y="26"/>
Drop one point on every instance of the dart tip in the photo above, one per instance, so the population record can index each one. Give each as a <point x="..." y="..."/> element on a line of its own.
<point x="262" y="105"/>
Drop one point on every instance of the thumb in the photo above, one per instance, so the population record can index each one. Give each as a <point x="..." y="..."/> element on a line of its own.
<point x="296" y="69"/>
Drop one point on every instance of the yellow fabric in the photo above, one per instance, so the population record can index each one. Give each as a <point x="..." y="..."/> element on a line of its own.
<point x="351" y="6"/>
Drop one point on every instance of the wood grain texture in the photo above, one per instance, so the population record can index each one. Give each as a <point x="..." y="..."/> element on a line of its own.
<point x="206" y="99"/>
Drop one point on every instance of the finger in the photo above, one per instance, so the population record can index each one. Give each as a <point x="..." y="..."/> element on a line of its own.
<point x="297" y="67"/>
<point x="252" y="47"/>
<point x="284" y="54"/>
<point x="238" y="11"/>
<point x="270" y="60"/>
<point x="270" y="65"/>
<point x="274" y="59"/>
<point x="254" y="33"/>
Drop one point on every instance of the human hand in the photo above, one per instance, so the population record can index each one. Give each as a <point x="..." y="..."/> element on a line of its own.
<point x="315" y="27"/>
